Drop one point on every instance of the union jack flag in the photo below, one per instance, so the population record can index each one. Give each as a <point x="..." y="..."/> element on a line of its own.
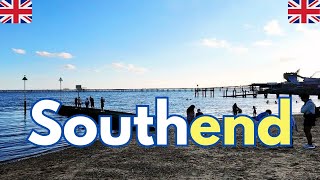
<point x="15" y="11"/>
<point x="304" y="11"/>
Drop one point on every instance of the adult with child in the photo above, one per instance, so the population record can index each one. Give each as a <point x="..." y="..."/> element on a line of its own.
<point x="309" y="111"/>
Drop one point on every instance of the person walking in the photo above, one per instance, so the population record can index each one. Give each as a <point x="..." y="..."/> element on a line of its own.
<point x="309" y="111"/>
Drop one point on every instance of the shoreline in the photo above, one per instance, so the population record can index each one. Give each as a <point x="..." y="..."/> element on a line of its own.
<point x="69" y="146"/>
<point x="133" y="161"/>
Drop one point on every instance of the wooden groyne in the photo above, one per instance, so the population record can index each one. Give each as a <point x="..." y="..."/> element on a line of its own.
<point x="69" y="111"/>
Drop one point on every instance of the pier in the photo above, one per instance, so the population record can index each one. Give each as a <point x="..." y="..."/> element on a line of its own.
<point x="252" y="90"/>
<point x="239" y="91"/>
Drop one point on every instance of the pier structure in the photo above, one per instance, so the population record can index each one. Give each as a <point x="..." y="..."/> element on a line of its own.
<point x="204" y="92"/>
<point x="252" y="90"/>
<point x="239" y="91"/>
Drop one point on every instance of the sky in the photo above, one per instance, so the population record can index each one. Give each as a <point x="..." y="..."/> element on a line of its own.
<point x="107" y="44"/>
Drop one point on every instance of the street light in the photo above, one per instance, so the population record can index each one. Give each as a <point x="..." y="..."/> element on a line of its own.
<point x="25" y="98"/>
<point x="60" y="80"/>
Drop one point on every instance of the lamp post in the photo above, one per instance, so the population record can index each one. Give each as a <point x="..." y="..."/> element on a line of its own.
<point x="60" y="80"/>
<point x="24" y="90"/>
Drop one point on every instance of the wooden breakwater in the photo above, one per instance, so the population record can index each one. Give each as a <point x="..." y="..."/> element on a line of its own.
<point x="69" y="111"/>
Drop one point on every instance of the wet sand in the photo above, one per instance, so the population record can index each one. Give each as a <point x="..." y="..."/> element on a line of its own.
<point x="135" y="162"/>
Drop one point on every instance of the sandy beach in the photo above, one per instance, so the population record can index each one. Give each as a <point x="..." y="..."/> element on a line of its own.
<point x="135" y="162"/>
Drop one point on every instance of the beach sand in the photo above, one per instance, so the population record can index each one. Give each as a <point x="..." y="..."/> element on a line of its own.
<point x="135" y="162"/>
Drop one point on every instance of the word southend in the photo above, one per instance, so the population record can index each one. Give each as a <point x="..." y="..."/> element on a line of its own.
<point x="205" y="131"/>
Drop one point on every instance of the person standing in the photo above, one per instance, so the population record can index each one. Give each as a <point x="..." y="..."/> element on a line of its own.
<point x="87" y="103"/>
<point x="91" y="102"/>
<point x="79" y="102"/>
<point x="236" y="109"/>
<point x="190" y="113"/>
<point x="309" y="111"/>
<point x="254" y="111"/>
<point x="102" y="103"/>
<point x="76" y="102"/>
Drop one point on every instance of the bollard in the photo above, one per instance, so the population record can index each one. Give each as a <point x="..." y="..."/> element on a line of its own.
<point x="25" y="107"/>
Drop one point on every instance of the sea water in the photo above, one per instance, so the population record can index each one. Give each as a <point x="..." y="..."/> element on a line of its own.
<point x="15" y="126"/>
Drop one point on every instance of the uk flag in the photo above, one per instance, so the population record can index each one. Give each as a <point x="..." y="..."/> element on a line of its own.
<point x="304" y="11"/>
<point x="15" y="11"/>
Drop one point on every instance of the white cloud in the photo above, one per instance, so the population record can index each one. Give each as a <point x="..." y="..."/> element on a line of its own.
<point x="19" y="51"/>
<point x="273" y="28"/>
<point x="239" y="50"/>
<point x="214" y="43"/>
<point x="224" y="44"/>
<point x="65" y="55"/>
<point x="70" y="67"/>
<point x="263" y="43"/>
<point x="62" y="55"/>
<point x="129" y="67"/>
<point x="44" y="54"/>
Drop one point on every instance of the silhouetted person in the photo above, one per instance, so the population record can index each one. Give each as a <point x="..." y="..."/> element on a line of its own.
<point x="91" y="102"/>
<point x="79" y="102"/>
<point x="190" y="113"/>
<point x="87" y="103"/>
<point x="267" y="101"/>
<point x="275" y="102"/>
<point x="309" y="111"/>
<point x="76" y="102"/>
<point x="254" y="111"/>
<point x="199" y="113"/>
<point x="102" y="100"/>
<point x="236" y="109"/>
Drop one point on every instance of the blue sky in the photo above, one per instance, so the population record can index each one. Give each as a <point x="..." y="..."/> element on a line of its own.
<point x="158" y="43"/>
